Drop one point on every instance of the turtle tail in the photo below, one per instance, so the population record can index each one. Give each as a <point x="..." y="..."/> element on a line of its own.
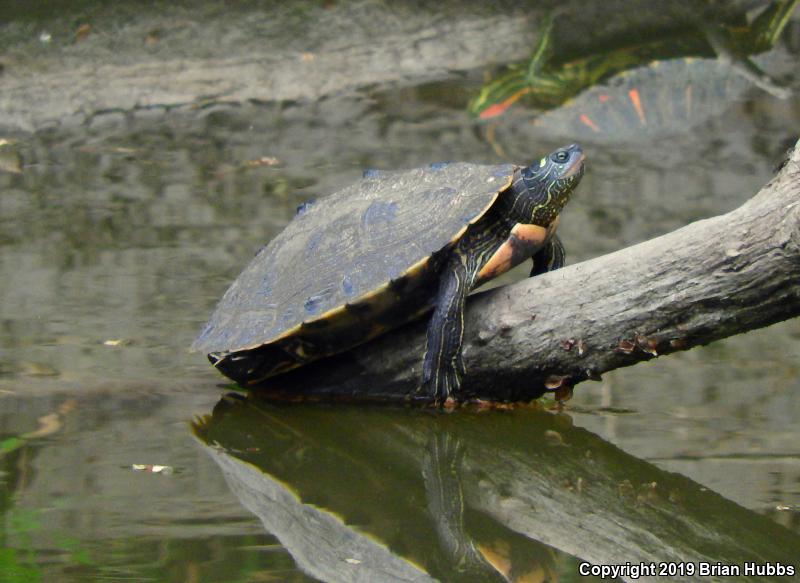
<point x="250" y="367"/>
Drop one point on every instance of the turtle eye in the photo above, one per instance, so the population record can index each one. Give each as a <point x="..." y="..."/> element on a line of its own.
<point x="561" y="156"/>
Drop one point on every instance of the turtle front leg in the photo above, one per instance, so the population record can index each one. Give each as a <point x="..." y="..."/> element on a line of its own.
<point x="443" y="366"/>
<point x="442" y="465"/>
<point x="549" y="258"/>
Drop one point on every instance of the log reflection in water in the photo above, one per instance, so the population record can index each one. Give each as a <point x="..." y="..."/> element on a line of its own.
<point x="354" y="492"/>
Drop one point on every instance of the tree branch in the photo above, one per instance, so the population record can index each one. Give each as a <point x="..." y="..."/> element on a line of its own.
<point x="711" y="279"/>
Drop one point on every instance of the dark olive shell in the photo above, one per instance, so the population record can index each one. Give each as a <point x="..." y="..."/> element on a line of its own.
<point x="351" y="249"/>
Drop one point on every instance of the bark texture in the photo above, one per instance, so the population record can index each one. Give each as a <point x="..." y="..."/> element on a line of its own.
<point x="711" y="279"/>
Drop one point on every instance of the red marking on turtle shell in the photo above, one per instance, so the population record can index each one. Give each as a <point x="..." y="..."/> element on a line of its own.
<point x="637" y="105"/>
<point x="586" y="120"/>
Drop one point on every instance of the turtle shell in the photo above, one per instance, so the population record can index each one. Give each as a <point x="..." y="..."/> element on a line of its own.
<point x="352" y="264"/>
<point x="663" y="98"/>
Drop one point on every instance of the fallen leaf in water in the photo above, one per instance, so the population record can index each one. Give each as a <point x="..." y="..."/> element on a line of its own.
<point x="352" y="561"/>
<point x="116" y="342"/>
<point x="67" y="406"/>
<point x="152" y="38"/>
<point x="152" y="468"/>
<point x="307" y="57"/>
<point x="553" y="437"/>
<point x="263" y="161"/>
<point x="48" y="424"/>
<point x="83" y="31"/>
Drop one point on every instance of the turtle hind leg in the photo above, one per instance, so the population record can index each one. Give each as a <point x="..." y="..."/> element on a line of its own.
<point x="443" y="366"/>
<point x="549" y="258"/>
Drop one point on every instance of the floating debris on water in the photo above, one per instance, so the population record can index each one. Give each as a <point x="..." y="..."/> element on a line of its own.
<point x="553" y="437"/>
<point x="263" y="161"/>
<point x="153" y="469"/>
<point x="83" y="32"/>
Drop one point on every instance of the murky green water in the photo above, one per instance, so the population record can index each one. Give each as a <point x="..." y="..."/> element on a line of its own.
<point x="118" y="233"/>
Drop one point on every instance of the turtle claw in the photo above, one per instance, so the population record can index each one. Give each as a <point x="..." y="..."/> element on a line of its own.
<point x="442" y="385"/>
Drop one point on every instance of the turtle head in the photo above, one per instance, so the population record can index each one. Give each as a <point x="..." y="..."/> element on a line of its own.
<point x="546" y="185"/>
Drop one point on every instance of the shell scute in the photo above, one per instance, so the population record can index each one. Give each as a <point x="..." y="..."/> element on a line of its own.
<point x="379" y="212"/>
<point x="347" y="285"/>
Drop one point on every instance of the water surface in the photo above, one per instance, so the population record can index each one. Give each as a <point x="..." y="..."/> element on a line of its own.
<point x="117" y="237"/>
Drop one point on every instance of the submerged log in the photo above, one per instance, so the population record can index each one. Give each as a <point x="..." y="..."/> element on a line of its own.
<point x="709" y="280"/>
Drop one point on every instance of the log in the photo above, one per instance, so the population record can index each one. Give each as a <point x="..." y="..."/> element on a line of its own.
<point x="708" y="280"/>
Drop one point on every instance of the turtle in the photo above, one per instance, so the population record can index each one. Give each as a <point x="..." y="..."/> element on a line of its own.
<point x="387" y="249"/>
<point x="661" y="99"/>
<point x="692" y="72"/>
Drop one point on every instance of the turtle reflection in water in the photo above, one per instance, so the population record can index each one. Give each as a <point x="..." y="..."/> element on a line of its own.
<point x="664" y="85"/>
<point x="386" y="250"/>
